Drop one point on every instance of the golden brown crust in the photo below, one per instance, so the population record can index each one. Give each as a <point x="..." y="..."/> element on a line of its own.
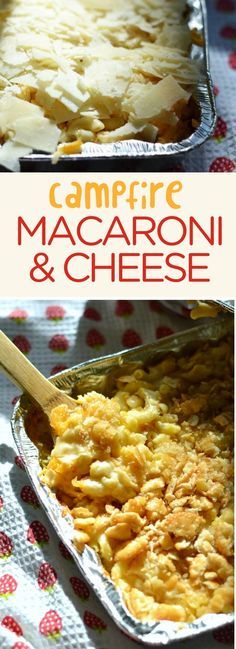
<point x="148" y="478"/>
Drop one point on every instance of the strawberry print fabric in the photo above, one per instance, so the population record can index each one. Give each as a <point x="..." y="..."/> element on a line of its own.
<point x="44" y="602"/>
<point x="218" y="154"/>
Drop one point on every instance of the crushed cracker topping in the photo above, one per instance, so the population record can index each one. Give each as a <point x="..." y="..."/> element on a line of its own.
<point x="149" y="483"/>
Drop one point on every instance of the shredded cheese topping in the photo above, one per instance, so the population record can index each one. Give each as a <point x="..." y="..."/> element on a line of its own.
<point x="89" y="71"/>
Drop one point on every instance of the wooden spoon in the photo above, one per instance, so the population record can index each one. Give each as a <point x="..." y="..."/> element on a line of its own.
<point x="20" y="371"/>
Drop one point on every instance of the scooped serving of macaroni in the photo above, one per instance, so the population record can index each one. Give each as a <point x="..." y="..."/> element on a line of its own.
<point x="147" y="477"/>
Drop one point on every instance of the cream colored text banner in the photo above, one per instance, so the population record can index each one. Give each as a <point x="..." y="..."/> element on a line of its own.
<point x="118" y="235"/>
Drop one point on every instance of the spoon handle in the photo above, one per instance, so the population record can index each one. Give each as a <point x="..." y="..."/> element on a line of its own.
<point x="26" y="376"/>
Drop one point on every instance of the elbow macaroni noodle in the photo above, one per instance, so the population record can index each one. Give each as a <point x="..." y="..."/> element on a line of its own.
<point x="147" y="476"/>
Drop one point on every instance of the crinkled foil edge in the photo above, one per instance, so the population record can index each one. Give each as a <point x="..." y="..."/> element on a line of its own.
<point x="224" y="305"/>
<point x="204" y="97"/>
<point x="158" y="633"/>
<point x="179" y="306"/>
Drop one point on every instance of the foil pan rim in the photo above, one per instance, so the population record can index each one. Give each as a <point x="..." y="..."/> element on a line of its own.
<point x="225" y="305"/>
<point x="152" y="634"/>
<point x="138" y="149"/>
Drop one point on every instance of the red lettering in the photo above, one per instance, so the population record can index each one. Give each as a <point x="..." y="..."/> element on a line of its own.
<point x="220" y="231"/>
<point x="68" y="273"/>
<point x="146" y="233"/>
<point x="79" y="227"/>
<point x="121" y="235"/>
<point x="61" y="235"/>
<point x="193" y="267"/>
<point x="147" y="267"/>
<point x="123" y="267"/>
<point x="41" y="224"/>
<point x="171" y="265"/>
<point x="193" y="224"/>
<point x="96" y="267"/>
<point x="175" y="219"/>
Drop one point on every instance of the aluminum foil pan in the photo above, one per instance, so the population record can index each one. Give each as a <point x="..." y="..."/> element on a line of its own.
<point x="225" y="305"/>
<point x="184" y="307"/>
<point x="204" y="98"/>
<point x="98" y="375"/>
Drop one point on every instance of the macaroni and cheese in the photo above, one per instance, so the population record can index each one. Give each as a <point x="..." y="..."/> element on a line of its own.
<point x="88" y="71"/>
<point x="147" y="477"/>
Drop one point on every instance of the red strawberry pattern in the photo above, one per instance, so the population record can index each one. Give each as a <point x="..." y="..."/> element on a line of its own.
<point x="12" y="625"/>
<point x="232" y="60"/>
<point x="185" y="311"/>
<point x="55" y="313"/>
<point x="178" y="167"/>
<point x="161" y="332"/>
<point x="29" y="496"/>
<point x="1" y="503"/>
<point x="124" y="309"/>
<point x="51" y="625"/>
<point x="131" y="338"/>
<point x="6" y="546"/>
<point x="94" y="622"/>
<point x="59" y="344"/>
<point x="20" y="645"/>
<point x="22" y="343"/>
<point x="80" y="588"/>
<point x="37" y="534"/>
<point x="225" y="5"/>
<point x="155" y="306"/>
<point x="20" y="462"/>
<point x="47" y="577"/>
<point x="92" y="314"/>
<point x="15" y="399"/>
<point x="216" y="90"/>
<point x="220" y="130"/>
<point x="8" y="585"/>
<point x="95" y="339"/>
<point x="229" y="32"/>
<point x="58" y="368"/>
<point x="64" y="552"/>
<point x="18" y="315"/>
<point x="222" y="164"/>
<point x="225" y="634"/>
